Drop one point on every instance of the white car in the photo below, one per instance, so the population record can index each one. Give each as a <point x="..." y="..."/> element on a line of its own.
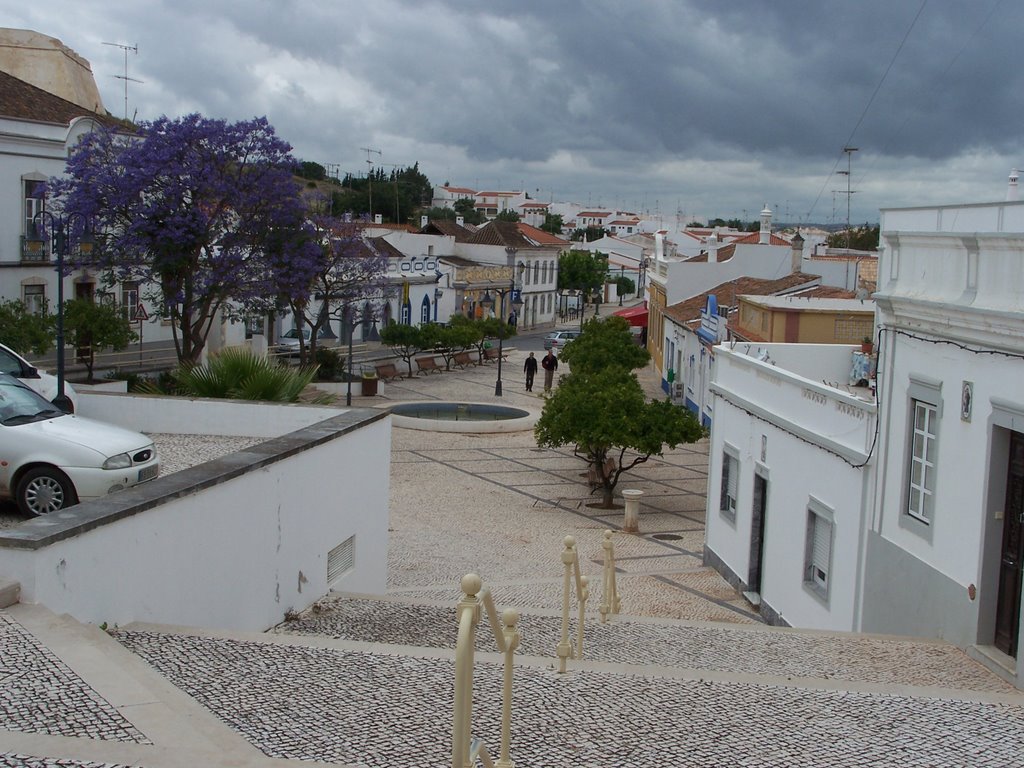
<point x="50" y="460"/>
<point x="558" y="339"/>
<point x="42" y="382"/>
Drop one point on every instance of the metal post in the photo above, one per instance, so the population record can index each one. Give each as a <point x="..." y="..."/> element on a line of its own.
<point x="348" y="377"/>
<point x="510" y="619"/>
<point x="564" y="648"/>
<point x="63" y="234"/>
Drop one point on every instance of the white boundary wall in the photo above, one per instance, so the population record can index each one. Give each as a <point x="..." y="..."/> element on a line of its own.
<point x="231" y="544"/>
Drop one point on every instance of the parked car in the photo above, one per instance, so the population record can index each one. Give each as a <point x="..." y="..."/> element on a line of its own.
<point x="50" y="460"/>
<point x="42" y="382"/>
<point x="288" y="344"/>
<point x="558" y="339"/>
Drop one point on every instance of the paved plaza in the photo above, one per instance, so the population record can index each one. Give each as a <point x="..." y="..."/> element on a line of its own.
<point x="686" y="676"/>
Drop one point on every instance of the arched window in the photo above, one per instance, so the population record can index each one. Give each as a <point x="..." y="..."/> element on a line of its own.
<point x="425" y="309"/>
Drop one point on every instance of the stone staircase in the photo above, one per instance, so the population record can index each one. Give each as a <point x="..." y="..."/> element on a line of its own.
<point x="366" y="680"/>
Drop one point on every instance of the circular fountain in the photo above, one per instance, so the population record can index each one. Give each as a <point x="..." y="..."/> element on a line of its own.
<point x="436" y="416"/>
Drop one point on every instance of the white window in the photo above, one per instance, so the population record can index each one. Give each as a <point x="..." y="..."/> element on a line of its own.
<point x="730" y="483"/>
<point x="818" y="551"/>
<point x="924" y="414"/>
<point x="34" y="299"/>
<point x="130" y="300"/>
<point x="33" y="206"/>
<point x="921" y="484"/>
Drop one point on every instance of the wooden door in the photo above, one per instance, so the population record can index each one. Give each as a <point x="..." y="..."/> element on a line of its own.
<point x="1011" y="565"/>
<point x="760" y="498"/>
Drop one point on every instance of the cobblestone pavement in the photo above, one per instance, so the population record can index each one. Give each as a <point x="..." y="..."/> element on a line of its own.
<point x="371" y="709"/>
<point x="719" y="689"/>
<point x="766" y="651"/>
<point x="40" y="694"/>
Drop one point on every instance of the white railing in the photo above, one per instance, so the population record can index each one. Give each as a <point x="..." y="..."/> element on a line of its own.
<point x="571" y="561"/>
<point x="465" y="749"/>
<point x="609" y="591"/>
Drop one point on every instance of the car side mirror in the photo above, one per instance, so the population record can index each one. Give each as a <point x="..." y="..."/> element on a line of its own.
<point x="30" y="373"/>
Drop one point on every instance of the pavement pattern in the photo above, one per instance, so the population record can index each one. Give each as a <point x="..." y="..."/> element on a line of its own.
<point x="687" y="676"/>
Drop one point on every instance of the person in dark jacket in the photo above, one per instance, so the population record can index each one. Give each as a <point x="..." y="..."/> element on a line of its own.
<point x="530" y="366"/>
<point x="550" y="365"/>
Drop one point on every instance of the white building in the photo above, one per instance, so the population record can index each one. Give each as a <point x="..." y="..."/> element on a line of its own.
<point x="911" y="523"/>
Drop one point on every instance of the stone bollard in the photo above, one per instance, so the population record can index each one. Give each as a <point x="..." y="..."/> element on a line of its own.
<point x="632" y="499"/>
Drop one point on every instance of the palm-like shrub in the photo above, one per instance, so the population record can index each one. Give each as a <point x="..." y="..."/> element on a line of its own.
<point x="236" y="373"/>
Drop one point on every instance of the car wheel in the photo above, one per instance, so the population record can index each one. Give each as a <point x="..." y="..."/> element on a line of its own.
<point x="43" y="490"/>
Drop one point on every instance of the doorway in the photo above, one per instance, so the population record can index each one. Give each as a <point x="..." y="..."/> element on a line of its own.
<point x="759" y="507"/>
<point x="1011" y="561"/>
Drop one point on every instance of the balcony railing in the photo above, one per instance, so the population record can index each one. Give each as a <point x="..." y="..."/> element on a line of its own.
<point x="34" y="251"/>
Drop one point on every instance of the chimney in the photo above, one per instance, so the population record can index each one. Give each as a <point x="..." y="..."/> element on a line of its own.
<point x="460" y="220"/>
<point x="1011" y="190"/>
<point x="712" y="244"/>
<point x="766" y="226"/>
<point x="798" y="253"/>
<point x="378" y="218"/>
<point x="659" y="246"/>
<point x="423" y="221"/>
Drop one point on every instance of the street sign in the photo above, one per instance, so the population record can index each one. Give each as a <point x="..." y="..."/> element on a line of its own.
<point x="140" y="313"/>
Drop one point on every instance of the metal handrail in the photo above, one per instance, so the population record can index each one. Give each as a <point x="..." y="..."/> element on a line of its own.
<point x="465" y="749"/>
<point x="609" y="590"/>
<point x="571" y="563"/>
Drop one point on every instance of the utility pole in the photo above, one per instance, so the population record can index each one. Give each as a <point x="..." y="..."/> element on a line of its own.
<point x="126" y="48"/>
<point x="369" y="172"/>
<point x="849" y="192"/>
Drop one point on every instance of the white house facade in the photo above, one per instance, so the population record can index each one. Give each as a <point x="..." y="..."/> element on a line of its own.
<point x="923" y="507"/>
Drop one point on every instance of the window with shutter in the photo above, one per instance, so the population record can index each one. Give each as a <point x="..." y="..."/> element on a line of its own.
<point x="818" y="553"/>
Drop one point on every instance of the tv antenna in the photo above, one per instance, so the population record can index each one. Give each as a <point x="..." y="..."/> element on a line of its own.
<point x="135" y="50"/>
<point x="369" y="173"/>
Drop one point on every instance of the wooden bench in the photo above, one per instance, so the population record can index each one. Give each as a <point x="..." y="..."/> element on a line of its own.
<point x="462" y="359"/>
<point x="594" y="477"/>
<point x="428" y="365"/>
<point x="387" y="372"/>
<point x="491" y="355"/>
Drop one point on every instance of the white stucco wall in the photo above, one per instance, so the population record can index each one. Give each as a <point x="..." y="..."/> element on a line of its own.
<point x="805" y="438"/>
<point x="232" y="544"/>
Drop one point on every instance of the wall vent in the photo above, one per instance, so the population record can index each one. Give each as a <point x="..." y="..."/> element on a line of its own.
<point x="341" y="560"/>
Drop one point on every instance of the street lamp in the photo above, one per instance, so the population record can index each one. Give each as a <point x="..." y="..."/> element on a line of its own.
<point x="60" y="232"/>
<point x="517" y="303"/>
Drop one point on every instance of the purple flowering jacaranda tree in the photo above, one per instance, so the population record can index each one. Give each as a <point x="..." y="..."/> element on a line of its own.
<point x="350" y="273"/>
<point x="204" y="212"/>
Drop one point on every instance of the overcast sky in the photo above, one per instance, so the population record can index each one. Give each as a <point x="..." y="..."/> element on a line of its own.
<point x="690" y="108"/>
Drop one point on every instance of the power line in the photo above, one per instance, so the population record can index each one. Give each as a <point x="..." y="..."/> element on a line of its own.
<point x="867" y="106"/>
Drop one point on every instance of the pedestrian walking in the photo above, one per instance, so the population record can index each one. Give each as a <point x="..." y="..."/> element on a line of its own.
<point x="550" y="365"/>
<point x="530" y="366"/>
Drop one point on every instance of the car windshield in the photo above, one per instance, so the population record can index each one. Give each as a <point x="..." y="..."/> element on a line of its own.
<point x="20" y="405"/>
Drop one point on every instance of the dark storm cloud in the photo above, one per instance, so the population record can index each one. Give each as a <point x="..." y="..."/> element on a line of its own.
<point x="700" y="105"/>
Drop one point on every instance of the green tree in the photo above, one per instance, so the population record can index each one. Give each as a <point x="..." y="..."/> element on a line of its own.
<point x="23" y="331"/>
<point x="449" y="340"/>
<point x="588" y="235"/>
<point x="552" y="223"/>
<point x="582" y="271"/>
<point x="508" y="215"/>
<point x="90" y="326"/>
<point x="406" y="341"/>
<point x="465" y="207"/>
<point x="600" y="408"/>
<point x="623" y="286"/>
<point x="862" y="238"/>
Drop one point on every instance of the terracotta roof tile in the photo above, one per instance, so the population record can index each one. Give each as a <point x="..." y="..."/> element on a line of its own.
<point x="447" y="227"/>
<point x="24" y="101"/>
<point x="539" y="236"/>
<point x="690" y="309"/>
<point x="503" y="233"/>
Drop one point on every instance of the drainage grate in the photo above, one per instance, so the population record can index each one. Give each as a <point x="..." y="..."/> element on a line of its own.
<point x="341" y="560"/>
<point x="667" y="536"/>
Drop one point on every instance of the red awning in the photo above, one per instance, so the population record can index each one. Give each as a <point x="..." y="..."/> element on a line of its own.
<point x="636" y="315"/>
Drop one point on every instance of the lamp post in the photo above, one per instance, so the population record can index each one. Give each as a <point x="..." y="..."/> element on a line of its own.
<point x="60" y="232"/>
<point x="502" y="323"/>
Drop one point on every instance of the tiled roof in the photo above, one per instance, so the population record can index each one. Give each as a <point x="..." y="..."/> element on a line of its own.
<point x="754" y="238"/>
<point x="503" y="233"/>
<point x="447" y="227"/>
<point x="690" y="309"/>
<point x="460" y="190"/>
<point x="593" y="214"/>
<point x="532" y="204"/>
<point x="386" y="249"/>
<point x="24" y="101"/>
<point x="539" y="236"/>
